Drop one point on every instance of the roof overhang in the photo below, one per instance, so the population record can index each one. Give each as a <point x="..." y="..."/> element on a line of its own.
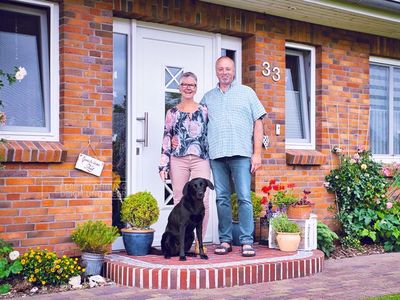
<point x="378" y="17"/>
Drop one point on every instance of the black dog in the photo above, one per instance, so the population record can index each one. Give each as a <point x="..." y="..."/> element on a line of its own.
<point x="187" y="215"/>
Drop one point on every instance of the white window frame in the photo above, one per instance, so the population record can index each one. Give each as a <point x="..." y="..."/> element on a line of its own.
<point x="387" y="158"/>
<point x="52" y="83"/>
<point x="295" y="143"/>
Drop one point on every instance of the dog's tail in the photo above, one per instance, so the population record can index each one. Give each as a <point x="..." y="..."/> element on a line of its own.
<point x="155" y="251"/>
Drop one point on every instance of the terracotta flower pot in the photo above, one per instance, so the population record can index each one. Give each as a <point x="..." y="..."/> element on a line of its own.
<point x="288" y="242"/>
<point x="299" y="211"/>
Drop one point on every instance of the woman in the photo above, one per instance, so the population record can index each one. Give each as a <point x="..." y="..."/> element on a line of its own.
<point x="184" y="149"/>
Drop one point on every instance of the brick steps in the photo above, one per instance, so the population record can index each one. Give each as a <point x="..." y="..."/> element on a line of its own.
<point x="155" y="272"/>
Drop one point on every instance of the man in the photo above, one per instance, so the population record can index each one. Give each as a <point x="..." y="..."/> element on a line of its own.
<point x="235" y="133"/>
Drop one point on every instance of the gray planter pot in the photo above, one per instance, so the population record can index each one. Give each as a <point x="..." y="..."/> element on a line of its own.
<point x="92" y="262"/>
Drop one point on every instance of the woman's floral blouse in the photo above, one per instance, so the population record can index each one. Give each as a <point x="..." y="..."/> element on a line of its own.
<point x="184" y="134"/>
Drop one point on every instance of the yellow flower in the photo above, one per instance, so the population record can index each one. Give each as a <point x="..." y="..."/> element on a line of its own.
<point x="36" y="271"/>
<point x="23" y="261"/>
<point x="43" y="282"/>
<point x="64" y="256"/>
<point x="79" y="267"/>
<point x="58" y="266"/>
<point x="116" y="181"/>
<point x="83" y="270"/>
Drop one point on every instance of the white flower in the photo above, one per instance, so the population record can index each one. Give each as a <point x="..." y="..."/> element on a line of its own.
<point x="366" y="175"/>
<point x="326" y="184"/>
<point x="364" y="166"/>
<point x="352" y="161"/>
<point x="13" y="255"/>
<point x="21" y="73"/>
<point x="336" y="177"/>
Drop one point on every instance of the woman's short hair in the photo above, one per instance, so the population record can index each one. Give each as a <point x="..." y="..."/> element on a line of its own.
<point x="186" y="75"/>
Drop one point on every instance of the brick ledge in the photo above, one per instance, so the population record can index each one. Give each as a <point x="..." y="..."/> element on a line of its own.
<point x="305" y="157"/>
<point x="29" y="151"/>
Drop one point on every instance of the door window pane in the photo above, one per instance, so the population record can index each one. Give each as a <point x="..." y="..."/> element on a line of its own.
<point x="119" y="125"/>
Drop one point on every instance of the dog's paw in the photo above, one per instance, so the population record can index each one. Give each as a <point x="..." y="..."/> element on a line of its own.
<point x="191" y="254"/>
<point x="182" y="258"/>
<point x="203" y="256"/>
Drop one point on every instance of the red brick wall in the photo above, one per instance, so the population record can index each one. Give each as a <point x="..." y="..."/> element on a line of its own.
<point x="41" y="203"/>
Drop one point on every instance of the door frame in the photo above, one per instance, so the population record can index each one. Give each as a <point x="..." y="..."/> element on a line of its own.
<point x="129" y="27"/>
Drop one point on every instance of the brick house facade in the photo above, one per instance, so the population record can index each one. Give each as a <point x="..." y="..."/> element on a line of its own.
<point x="43" y="196"/>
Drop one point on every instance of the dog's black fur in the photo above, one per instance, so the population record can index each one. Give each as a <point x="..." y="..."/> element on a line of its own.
<point x="187" y="215"/>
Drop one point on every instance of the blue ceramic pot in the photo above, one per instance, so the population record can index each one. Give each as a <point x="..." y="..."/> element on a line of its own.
<point x="137" y="242"/>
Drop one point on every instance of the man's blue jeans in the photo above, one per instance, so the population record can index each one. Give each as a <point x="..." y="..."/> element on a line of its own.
<point x="237" y="168"/>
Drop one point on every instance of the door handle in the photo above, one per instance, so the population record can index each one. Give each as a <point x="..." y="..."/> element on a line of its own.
<point x="145" y="139"/>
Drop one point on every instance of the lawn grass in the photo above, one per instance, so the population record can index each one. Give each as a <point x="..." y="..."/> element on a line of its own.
<point x="386" y="297"/>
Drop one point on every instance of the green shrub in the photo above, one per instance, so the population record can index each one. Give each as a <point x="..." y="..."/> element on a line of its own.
<point x="257" y="207"/>
<point x="360" y="188"/>
<point x="325" y="238"/>
<point x="94" y="236"/>
<point x="10" y="265"/>
<point x="42" y="267"/>
<point x="140" y="210"/>
<point x="281" y="223"/>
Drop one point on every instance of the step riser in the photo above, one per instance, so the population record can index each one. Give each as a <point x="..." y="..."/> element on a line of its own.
<point x="208" y="278"/>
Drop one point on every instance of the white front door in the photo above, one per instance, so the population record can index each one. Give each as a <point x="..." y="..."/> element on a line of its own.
<point x="157" y="55"/>
<point x="161" y="56"/>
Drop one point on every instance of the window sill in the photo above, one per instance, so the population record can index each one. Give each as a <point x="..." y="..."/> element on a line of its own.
<point x="305" y="157"/>
<point x="28" y="151"/>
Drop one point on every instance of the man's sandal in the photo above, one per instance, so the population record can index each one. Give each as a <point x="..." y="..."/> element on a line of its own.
<point x="222" y="250"/>
<point x="249" y="251"/>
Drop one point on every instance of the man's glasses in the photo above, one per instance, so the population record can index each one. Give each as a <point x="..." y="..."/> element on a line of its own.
<point x="189" y="85"/>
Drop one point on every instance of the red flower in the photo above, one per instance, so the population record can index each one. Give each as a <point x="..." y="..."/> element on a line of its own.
<point x="264" y="200"/>
<point x="275" y="187"/>
<point x="291" y="185"/>
<point x="266" y="189"/>
<point x="272" y="182"/>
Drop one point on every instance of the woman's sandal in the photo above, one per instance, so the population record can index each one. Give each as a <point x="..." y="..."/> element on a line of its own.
<point x="222" y="250"/>
<point x="249" y="251"/>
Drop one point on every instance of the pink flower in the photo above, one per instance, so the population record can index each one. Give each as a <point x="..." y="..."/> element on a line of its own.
<point x="166" y="144"/>
<point x="194" y="149"/>
<point x="169" y="120"/>
<point x="386" y="171"/>
<point x="164" y="160"/>
<point x="389" y="205"/>
<point x="194" y="129"/>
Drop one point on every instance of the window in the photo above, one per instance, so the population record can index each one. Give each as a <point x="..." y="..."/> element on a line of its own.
<point x="300" y="96"/>
<point x="29" y="38"/>
<point x="384" y="94"/>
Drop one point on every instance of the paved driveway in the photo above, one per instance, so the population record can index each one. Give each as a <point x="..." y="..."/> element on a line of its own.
<point x="350" y="278"/>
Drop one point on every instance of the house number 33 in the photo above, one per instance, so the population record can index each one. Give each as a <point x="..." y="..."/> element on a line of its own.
<point x="275" y="72"/>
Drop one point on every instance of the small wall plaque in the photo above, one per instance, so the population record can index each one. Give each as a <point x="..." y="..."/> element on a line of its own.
<point x="89" y="164"/>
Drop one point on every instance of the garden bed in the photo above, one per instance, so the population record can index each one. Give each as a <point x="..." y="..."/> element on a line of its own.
<point x="22" y="288"/>
<point x="343" y="252"/>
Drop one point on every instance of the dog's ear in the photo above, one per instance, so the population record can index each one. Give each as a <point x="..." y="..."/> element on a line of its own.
<point x="185" y="188"/>
<point x="209" y="183"/>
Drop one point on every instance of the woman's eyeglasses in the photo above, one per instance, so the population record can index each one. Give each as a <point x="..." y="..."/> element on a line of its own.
<point x="189" y="85"/>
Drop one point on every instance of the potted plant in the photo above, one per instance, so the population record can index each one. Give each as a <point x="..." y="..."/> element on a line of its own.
<point x="300" y="209"/>
<point x="280" y="195"/>
<point x="288" y="233"/>
<point x="257" y="207"/>
<point x="140" y="211"/>
<point x="94" y="239"/>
